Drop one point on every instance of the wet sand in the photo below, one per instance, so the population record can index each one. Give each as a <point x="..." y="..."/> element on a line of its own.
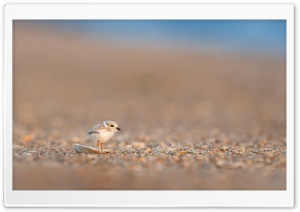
<point x="190" y="120"/>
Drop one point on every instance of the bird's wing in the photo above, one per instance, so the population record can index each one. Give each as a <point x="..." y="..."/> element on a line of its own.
<point x="96" y="128"/>
<point x="99" y="127"/>
<point x="93" y="132"/>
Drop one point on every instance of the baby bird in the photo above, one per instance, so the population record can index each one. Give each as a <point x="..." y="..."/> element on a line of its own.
<point x="101" y="133"/>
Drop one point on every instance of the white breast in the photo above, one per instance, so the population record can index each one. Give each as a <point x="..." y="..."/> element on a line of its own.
<point x="103" y="136"/>
<point x="106" y="136"/>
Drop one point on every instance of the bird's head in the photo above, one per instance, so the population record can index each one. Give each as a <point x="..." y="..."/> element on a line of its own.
<point x="111" y="126"/>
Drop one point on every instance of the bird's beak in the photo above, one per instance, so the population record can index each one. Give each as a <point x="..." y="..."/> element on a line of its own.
<point x="118" y="128"/>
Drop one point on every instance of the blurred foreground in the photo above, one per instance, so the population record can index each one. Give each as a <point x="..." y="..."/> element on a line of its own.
<point x="190" y="120"/>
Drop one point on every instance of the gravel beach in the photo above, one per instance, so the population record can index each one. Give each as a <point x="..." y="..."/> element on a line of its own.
<point x="190" y="120"/>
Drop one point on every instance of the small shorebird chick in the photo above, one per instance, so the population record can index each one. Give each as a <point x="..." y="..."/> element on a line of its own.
<point x="101" y="133"/>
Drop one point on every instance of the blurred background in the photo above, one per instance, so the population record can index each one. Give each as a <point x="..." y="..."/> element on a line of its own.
<point x="195" y="84"/>
<point x="252" y="36"/>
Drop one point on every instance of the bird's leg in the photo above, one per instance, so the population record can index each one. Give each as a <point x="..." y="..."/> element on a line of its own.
<point x="99" y="145"/>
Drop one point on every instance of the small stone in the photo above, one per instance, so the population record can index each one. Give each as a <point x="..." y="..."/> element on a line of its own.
<point x="225" y="148"/>
<point x="148" y="150"/>
<point x="139" y="145"/>
<point x="183" y="152"/>
<point x="204" y="147"/>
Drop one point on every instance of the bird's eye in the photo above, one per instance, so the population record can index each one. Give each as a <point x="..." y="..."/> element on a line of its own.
<point x="112" y="125"/>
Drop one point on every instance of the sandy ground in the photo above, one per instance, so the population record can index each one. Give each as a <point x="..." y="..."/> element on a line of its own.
<point x="190" y="120"/>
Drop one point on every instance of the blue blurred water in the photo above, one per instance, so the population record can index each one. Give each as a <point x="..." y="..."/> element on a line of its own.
<point x="264" y="36"/>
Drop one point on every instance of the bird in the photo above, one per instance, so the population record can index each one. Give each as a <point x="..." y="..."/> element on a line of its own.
<point x="101" y="133"/>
